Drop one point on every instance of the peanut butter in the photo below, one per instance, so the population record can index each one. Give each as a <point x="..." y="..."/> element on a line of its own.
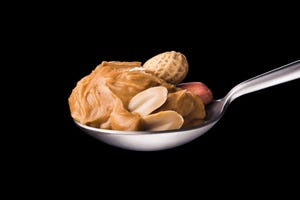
<point x="101" y="98"/>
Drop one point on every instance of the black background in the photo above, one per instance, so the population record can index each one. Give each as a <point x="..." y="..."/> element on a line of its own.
<point x="256" y="140"/>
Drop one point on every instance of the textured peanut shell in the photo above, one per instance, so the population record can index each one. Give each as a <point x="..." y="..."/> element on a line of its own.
<point x="171" y="66"/>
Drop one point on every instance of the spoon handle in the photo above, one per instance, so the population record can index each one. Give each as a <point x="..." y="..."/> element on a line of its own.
<point x="276" y="76"/>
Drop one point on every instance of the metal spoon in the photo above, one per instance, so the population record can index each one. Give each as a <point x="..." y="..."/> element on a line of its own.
<point x="153" y="141"/>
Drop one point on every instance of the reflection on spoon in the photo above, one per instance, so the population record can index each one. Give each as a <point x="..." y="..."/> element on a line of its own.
<point x="160" y="140"/>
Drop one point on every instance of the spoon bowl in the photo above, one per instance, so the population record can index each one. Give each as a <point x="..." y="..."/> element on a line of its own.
<point x="146" y="140"/>
<point x="161" y="140"/>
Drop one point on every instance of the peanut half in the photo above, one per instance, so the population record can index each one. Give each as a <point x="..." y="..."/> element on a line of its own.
<point x="148" y="100"/>
<point x="164" y="120"/>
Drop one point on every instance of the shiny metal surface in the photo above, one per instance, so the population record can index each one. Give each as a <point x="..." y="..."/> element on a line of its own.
<point x="154" y="141"/>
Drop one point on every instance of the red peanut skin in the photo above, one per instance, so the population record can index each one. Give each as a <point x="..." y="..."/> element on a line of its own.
<point x="199" y="89"/>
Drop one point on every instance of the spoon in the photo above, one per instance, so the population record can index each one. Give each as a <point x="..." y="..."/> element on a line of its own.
<point x="161" y="140"/>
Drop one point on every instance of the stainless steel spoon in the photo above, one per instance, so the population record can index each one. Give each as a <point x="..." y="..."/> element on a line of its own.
<point x="153" y="141"/>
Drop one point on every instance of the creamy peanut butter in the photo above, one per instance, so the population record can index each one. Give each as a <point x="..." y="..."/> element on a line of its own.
<point x="101" y="98"/>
